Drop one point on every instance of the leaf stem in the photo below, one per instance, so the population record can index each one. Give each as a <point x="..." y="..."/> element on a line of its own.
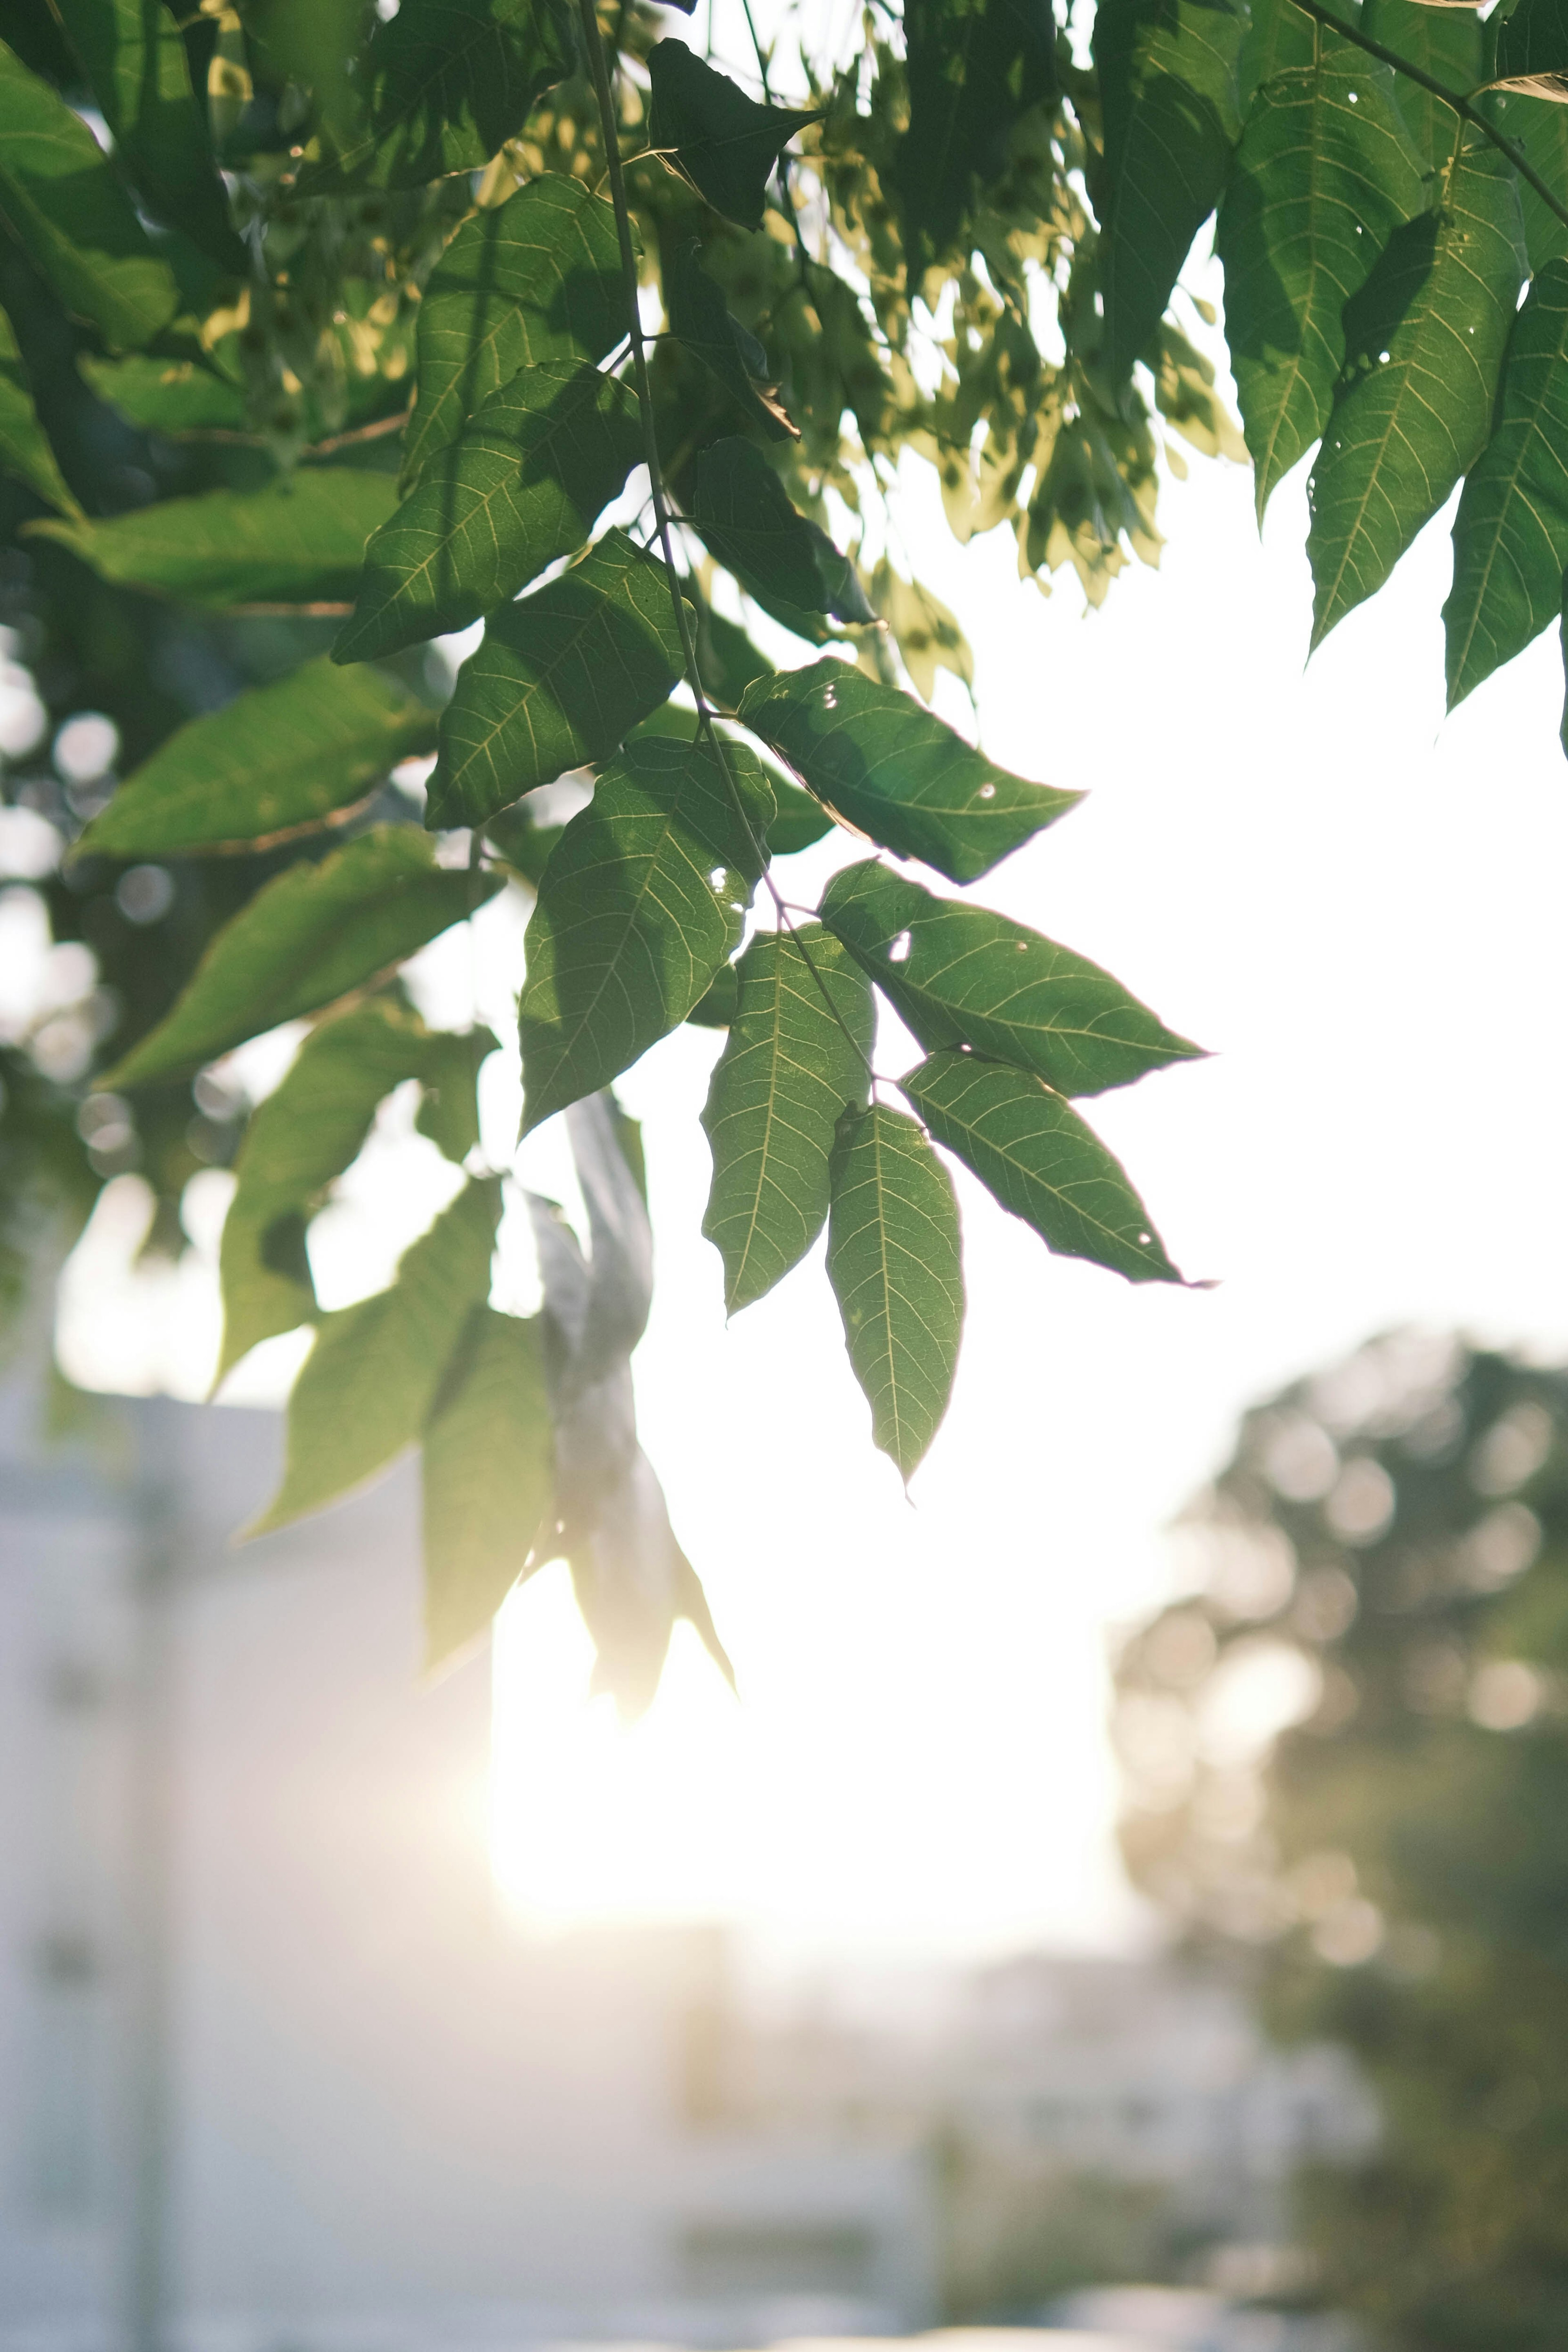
<point x="1456" y="99"/>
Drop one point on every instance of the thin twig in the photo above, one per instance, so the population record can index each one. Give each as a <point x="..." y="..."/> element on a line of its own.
<point x="376" y="432"/>
<point x="603" y="92"/>
<point x="1456" y="99"/>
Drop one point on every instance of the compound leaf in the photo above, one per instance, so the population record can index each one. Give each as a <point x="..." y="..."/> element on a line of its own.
<point x="25" y="451"/>
<point x="745" y="516"/>
<point x="722" y="142"/>
<point x="489" y="1477"/>
<point x="699" y="317"/>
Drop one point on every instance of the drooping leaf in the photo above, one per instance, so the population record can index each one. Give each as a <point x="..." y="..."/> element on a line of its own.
<point x="279" y="760"/>
<point x="1030" y="1147"/>
<point x="370" y="1381"/>
<point x="974" y="68"/>
<point x="893" y="770"/>
<point x="1424" y="339"/>
<point x="72" y="215"/>
<point x="1170" y="98"/>
<point x="299" y="542"/>
<point x="959" y="974"/>
<point x="25" y="451"/>
<point x="134" y="58"/>
<point x="894" y="1261"/>
<point x="1532" y="52"/>
<point x="1299" y="237"/>
<point x="307" y="938"/>
<point x="534" y="280"/>
<point x="745" y="516"/>
<point x="927" y="634"/>
<point x="306" y="1133"/>
<point x="724" y="142"/>
<point x="699" y="317"/>
<point x="557" y="682"/>
<point x="792" y="1062"/>
<point x="1447" y="43"/>
<point x="642" y="901"/>
<point x="488" y="1477"/>
<point x="524" y="483"/>
<point x="166" y="395"/>
<point x="1510" y="534"/>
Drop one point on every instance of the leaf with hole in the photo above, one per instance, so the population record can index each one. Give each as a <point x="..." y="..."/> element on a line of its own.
<point x="722" y="142"/>
<point x="642" y="902"/>
<point x="699" y="317"/>
<point x="897" y="1271"/>
<point x="744" y="512"/>
<point x="25" y="454"/>
<point x="893" y="770"/>
<point x="488" y="1473"/>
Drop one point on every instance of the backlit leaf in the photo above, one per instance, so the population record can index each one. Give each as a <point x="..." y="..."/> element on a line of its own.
<point x="166" y="395"/>
<point x="927" y="634"/>
<point x="25" y="451"/>
<point x="1541" y="133"/>
<point x="974" y="68"/>
<point x="376" y="1369"/>
<point x="699" y="317"/>
<point x="894" y="1261"/>
<point x="1447" y="43"/>
<point x="1031" y="1149"/>
<point x="788" y="1071"/>
<point x="642" y="901"/>
<point x="893" y="770"/>
<point x="745" y="516"/>
<point x="557" y="682"/>
<point x="306" y="938"/>
<point x="278" y="760"/>
<point x="524" y="483"/>
<point x="488" y="1477"/>
<point x="959" y="974"/>
<point x="724" y="142"/>
<point x="1425" y="341"/>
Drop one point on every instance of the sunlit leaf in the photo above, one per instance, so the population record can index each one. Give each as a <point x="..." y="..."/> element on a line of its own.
<point x="745" y="516"/>
<point x="557" y="682"/>
<point x="974" y="68"/>
<point x="893" y="770"/>
<point x="642" y="901"/>
<point x="894" y="1261"/>
<point x="700" y="318"/>
<point x="1031" y="1149"/>
<point x="280" y="759"/>
<point x="25" y="451"/>
<point x="1447" y="43"/>
<point x="524" y="483"/>
<point x="724" y="142"/>
<point x="376" y="1369"/>
<point x="927" y="634"/>
<point x="488" y="1477"/>
<point x="307" y="938"/>
<point x="959" y="974"/>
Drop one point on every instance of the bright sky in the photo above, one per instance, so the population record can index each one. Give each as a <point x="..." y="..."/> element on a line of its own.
<point x="1358" y="906"/>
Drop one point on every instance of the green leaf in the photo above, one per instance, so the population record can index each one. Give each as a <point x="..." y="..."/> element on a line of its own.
<point x="1171" y="101"/>
<point x="524" y="483"/>
<point x="306" y="938"/>
<point x="307" y="1133"/>
<point x="787" y="1073"/>
<point x="726" y="657"/>
<point x="958" y="975"/>
<point x="1510" y="534"/>
<point x="975" y="66"/>
<point x="699" y="319"/>
<point x="1299" y="238"/>
<point x="166" y="395"/>
<point x="642" y="901"/>
<point x="370" y="1381"/>
<point x="894" y="1262"/>
<point x="800" y="820"/>
<point x="299" y="542"/>
<point x="557" y="682"/>
<point x="1279" y="37"/>
<point x="535" y="280"/>
<point x="926" y="633"/>
<point x="488" y="1477"/>
<point x="1425" y="338"/>
<point x="1030" y="1147"/>
<point x="744" y="512"/>
<point x="893" y="770"/>
<point x="68" y="210"/>
<point x="275" y="761"/>
<point x="722" y="142"/>
<point x="716" y="1008"/>
<point x="1532" y="52"/>
<point x="526" y="846"/>
<point x="1541" y="133"/>
<point x="25" y="451"/>
<point x="448" y="1072"/>
<point x="134" y="58"/>
<point x="1446" y="42"/>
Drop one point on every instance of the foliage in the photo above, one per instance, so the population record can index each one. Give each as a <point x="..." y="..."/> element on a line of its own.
<point x="334" y="343"/>
<point x="1392" y="1536"/>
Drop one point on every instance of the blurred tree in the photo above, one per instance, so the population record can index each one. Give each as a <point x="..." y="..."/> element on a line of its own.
<point x="1384" y="1565"/>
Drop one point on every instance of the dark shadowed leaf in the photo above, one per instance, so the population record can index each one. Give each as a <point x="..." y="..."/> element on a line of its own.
<point x="724" y="142"/>
<point x="894" y="1261"/>
<point x="716" y="1008"/>
<point x="299" y="541"/>
<point x="728" y="660"/>
<point x="557" y="682"/>
<point x="642" y="901"/>
<point x="1032" y="1150"/>
<point x="524" y="483"/>
<point x="371" y="1379"/>
<point x="959" y="974"/>
<point x="306" y="938"/>
<point x="791" y="1066"/>
<point x="281" y="758"/>
<point x="699" y="317"/>
<point x="1425" y="341"/>
<point x="166" y="395"/>
<point x="25" y="451"/>
<point x="745" y="516"/>
<point x="1532" y="52"/>
<point x="974" y="67"/>
<point x="893" y="770"/>
<point x="488" y="1477"/>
